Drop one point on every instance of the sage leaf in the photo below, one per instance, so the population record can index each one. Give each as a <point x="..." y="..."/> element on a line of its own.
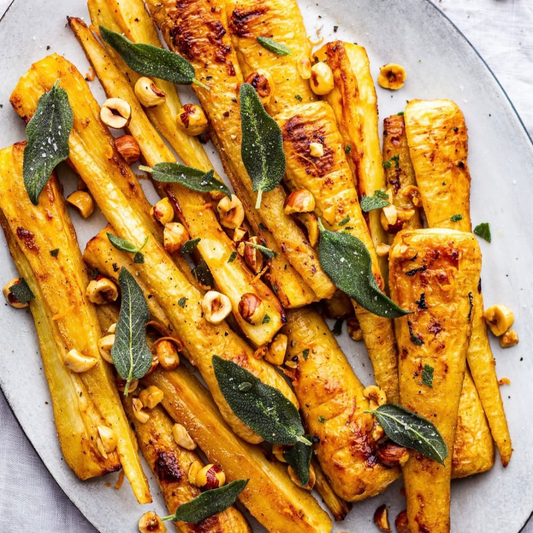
<point x="347" y="262"/>
<point x="189" y="246"/>
<point x="267" y="252"/>
<point x="412" y="431"/>
<point x="48" y="133"/>
<point x="483" y="230"/>
<point x="299" y="457"/>
<point x="456" y="218"/>
<point x="21" y="292"/>
<point x="371" y="203"/>
<point x="203" y="275"/>
<point x="125" y="246"/>
<point x="131" y="355"/>
<point x="272" y="46"/>
<point x="261" y="407"/>
<point x="192" y="178"/>
<point x="262" y="143"/>
<point x="427" y="375"/>
<point x="150" y="60"/>
<point x="208" y="503"/>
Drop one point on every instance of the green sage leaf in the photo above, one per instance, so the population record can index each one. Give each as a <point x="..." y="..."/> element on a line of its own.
<point x="21" y="292"/>
<point x="456" y="218"/>
<point x="262" y="143"/>
<point x="272" y="46"/>
<point x="261" y="407"/>
<point x="55" y="252"/>
<point x="209" y="503"/>
<point x="48" y="133"/>
<point x="267" y="252"/>
<point x="125" y="246"/>
<point x="202" y="274"/>
<point x="299" y="457"/>
<point x="131" y="355"/>
<point x="347" y="262"/>
<point x="483" y="230"/>
<point x="189" y="246"/>
<point x="427" y="375"/>
<point x="150" y="60"/>
<point x="337" y="327"/>
<point x="370" y="203"/>
<point x="412" y="431"/>
<point x="192" y="178"/>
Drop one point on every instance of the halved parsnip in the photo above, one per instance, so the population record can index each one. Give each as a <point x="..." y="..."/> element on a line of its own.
<point x="61" y="283"/>
<point x="438" y="144"/>
<point x="441" y="268"/>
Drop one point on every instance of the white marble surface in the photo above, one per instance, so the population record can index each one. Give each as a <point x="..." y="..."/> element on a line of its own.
<point x="30" y="500"/>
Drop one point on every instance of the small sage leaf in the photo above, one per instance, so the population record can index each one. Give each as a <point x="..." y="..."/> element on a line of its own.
<point x="347" y="262"/>
<point x="131" y="355"/>
<point x="189" y="246"/>
<point x="370" y="203"/>
<point x="261" y="407"/>
<point x="267" y="252"/>
<point x="21" y="292"/>
<point x="203" y="275"/>
<point x="262" y="143"/>
<point x="209" y="503"/>
<point x="48" y="133"/>
<point x="192" y="178"/>
<point x="427" y="375"/>
<point x="483" y="230"/>
<point x="412" y="431"/>
<point x="299" y="457"/>
<point x="122" y="244"/>
<point x="272" y="46"/>
<point x="150" y="60"/>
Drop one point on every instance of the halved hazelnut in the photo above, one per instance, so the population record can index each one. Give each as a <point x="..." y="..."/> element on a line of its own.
<point x="182" y="437"/>
<point x="115" y="113"/>
<point x="192" y="120"/>
<point x="392" y="76"/>
<point x="193" y="471"/>
<point x="210" y="477"/>
<point x="101" y="291"/>
<point x="310" y="222"/>
<point x="376" y="396"/>
<point x="151" y="396"/>
<point x="354" y="329"/>
<point x="277" y="349"/>
<point x="509" y="339"/>
<point x="83" y="202"/>
<point x="231" y="212"/>
<point x="138" y="412"/>
<point x="128" y="148"/>
<point x="167" y="352"/>
<point x="108" y="438"/>
<point x="252" y="256"/>
<point x="10" y="297"/>
<point x="499" y="318"/>
<point x="78" y="362"/>
<point x="151" y="523"/>
<point x="163" y="211"/>
<point x="251" y="308"/>
<point x="216" y="306"/>
<point x="174" y="236"/>
<point x="105" y="344"/>
<point x="381" y="519"/>
<point x="148" y="93"/>
<point x="392" y="455"/>
<point x="301" y="201"/>
<point x="263" y="84"/>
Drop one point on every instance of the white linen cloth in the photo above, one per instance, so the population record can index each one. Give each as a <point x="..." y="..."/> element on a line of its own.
<point x="30" y="500"/>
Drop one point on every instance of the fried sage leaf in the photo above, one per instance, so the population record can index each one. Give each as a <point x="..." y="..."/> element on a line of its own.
<point x="262" y="143"/>
<point x="131" y="355"/>
<point x="377" y="201"/>
<point x="125" y="246"/>
<point x="347" y="262"/>
<point x="192" y="178"/>
<point x="261" y="407"/>
<point x="189" y="246"/>
<point x="483" y="230"/>
<point x="299" y="458"/>
<point x="22" y="292"/>
<point x="267" y="252"/>
<point x="279" y="49"/>
<point x="48" y="133"/>
<point x="412" y="431"/>
<point x="208" y="503"/>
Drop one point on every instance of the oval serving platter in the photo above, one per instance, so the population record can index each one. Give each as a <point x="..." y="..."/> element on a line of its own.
<point x="440" y="63"/>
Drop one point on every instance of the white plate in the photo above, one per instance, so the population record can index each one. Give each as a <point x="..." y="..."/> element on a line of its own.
<point x="440" y="64"/>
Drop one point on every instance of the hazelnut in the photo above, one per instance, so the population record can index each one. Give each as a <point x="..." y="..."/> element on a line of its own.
<point x="174" y="236"/>
<point x="115" y="113"/>
<point x="499" y="318"/>
<point x="210" y="477"/>
<point x="240" y="234"/>
<point x="151" y="523"/>
<point x="301" y="201"/>
<point x="140" y="414"/>
<point x="182" y="437"/>
<point x="252" y="256"/>
<point x="10" y="297"/>
<point x="151" y="396"/>
<point x="382" y="249"/>
<point x="275" y="354"/>
<point x="509" y="339"/>
<point x="105" y="344"/>
<point x="193" y="471"/>
<point x="354" y="329"/>
<point x="278" y="450"/>
<point x="78" y="362"/>
<point x="322" y="81"/>
<point x="310" y="222"/>
<point x="316" y="149"/>
<point x="167" y="353"/>
<point x="112" y="328"/>
<point x="149" y="93"/>
<point x="376" y="396"/>
<point x="391" y="454"/>
<point x="128" y="148"/>
<point x="296" y="481"/>
<point x="83" y="202"/>
<point x="304" y="68"/>
<point x="231" y="212"/>
<point x="163" y="211"/>
<point x="381" y="519"/>
<point x="392" y="76"/>
<point x="192" y="120"/>
<point x="108" y="438"/>
<point x="251" y="308"/>
<point x="412" y="194"/>
<point x="402" y="523"/>
<point x="101" y="291"/>
<point x="263" y="84"/>
<point x="216" y="307"/>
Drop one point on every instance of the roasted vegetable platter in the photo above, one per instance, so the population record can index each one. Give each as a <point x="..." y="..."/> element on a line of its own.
<point x="231" y="283"/>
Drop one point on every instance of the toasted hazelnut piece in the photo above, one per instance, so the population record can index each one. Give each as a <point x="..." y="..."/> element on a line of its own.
<point x="83" y="202"/>
<point x="381" y="519"/>
<point x="310" y="221"/>
<point x="263" y="84"/>
<point x="316" y="149"/>
<point x="382" y="249"/>
<point x="231" y="212"/>
<point x="412" y="194"/>
<point x="376" y="396"/>
<point x="391" y="454"/>
<point x="277" y="350"/>
<point x="261" y="352"/>
<point x="252" y="256"/>
<point x="304" y="68"/>
<point x="278" y="450"/>
<point x="301" y="201"/>
<point x="167" y="354"/>
<point x="105" y="344"/>
<point x="128" y="148"/>
<point x="151" y="396"/>
<point x="112" y="328"/>
<point x="354" y="329"/>
<point x="174" y="236"/>
<point x="151" y="523"/>
<point x="78" y="362"/>
<point x="401" y="523"/>
<point x="392" y="76"/>
<point x="240" y="234"/>
<point x="322" y="81"/>
<point x="296" y="481"/>
<point x="251" y="308"/>
<point x="499" y="318"/>
<point x="389" y="216"/>
<point x="216" y="306"/>
<point x="148" y="93"/>
<point x="140" y="414"/>
<point x="115" y="113"/>
<point x="193" y="472"/>
<point x="182" y="437"/>
<point x="121" y="385"/>
<point x="10" y="297"/>
<point x="509" y="339"/>
<point x="101" y="291"/>
<point x="163" y="211"/>
<point x="210" y="477"/>
<point x="192" y="120"/>
<point x="108" y="438"/>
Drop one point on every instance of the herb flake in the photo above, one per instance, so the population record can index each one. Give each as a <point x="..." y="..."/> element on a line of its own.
<point x="21" y="292"/>
<point x="379" y="200"/>
<point x="427" y="375"/>
<point x="55" y="252"/>
<point x="189" y="246"/>
<point x="483" y="230"/>
<point x="456" y="218"/>
<point x="279" y="49"/>
<point x="232" y="257"/>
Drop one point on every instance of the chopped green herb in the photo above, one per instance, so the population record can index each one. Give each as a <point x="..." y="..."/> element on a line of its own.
<point x="395" y="158"/>
<point x="232" y="257"/>
<point x="125" y="246"/>
<point x="344" y="221"/>
<point x="266" y="319"/>
<point x="401" y="113"/>
<point x="415" y="337"/>
<point x="272" y="46"/>
<point x="267" y="252"/>
<point x="22" y="292"/>
<point x="348" y="149"/>
<point x="379" y="200"/>
<point x="182" y="301"/>
<point x="189" y="246"/>
<point x="483" y="230"/>
<point x="54" y="253"/>
<point x="262" y="226"/>
<point x="305" y="354"/>
<point x="427" y="375"/>
<point x="321" y="419"/>
<point x="203" y="275"/>
<point x="298" y="97"/>
<point x="337" y="328"/>
<point x="456" y="218"/>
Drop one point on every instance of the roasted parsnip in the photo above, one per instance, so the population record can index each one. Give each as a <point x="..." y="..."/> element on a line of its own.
<point x="330" y="180"/>
<point x="271" y="497"/>
<point x="437" y="137"/>
<point x="441" y="268"/>
<point x="165" y="281"/>
<point x="61" y="284"/>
